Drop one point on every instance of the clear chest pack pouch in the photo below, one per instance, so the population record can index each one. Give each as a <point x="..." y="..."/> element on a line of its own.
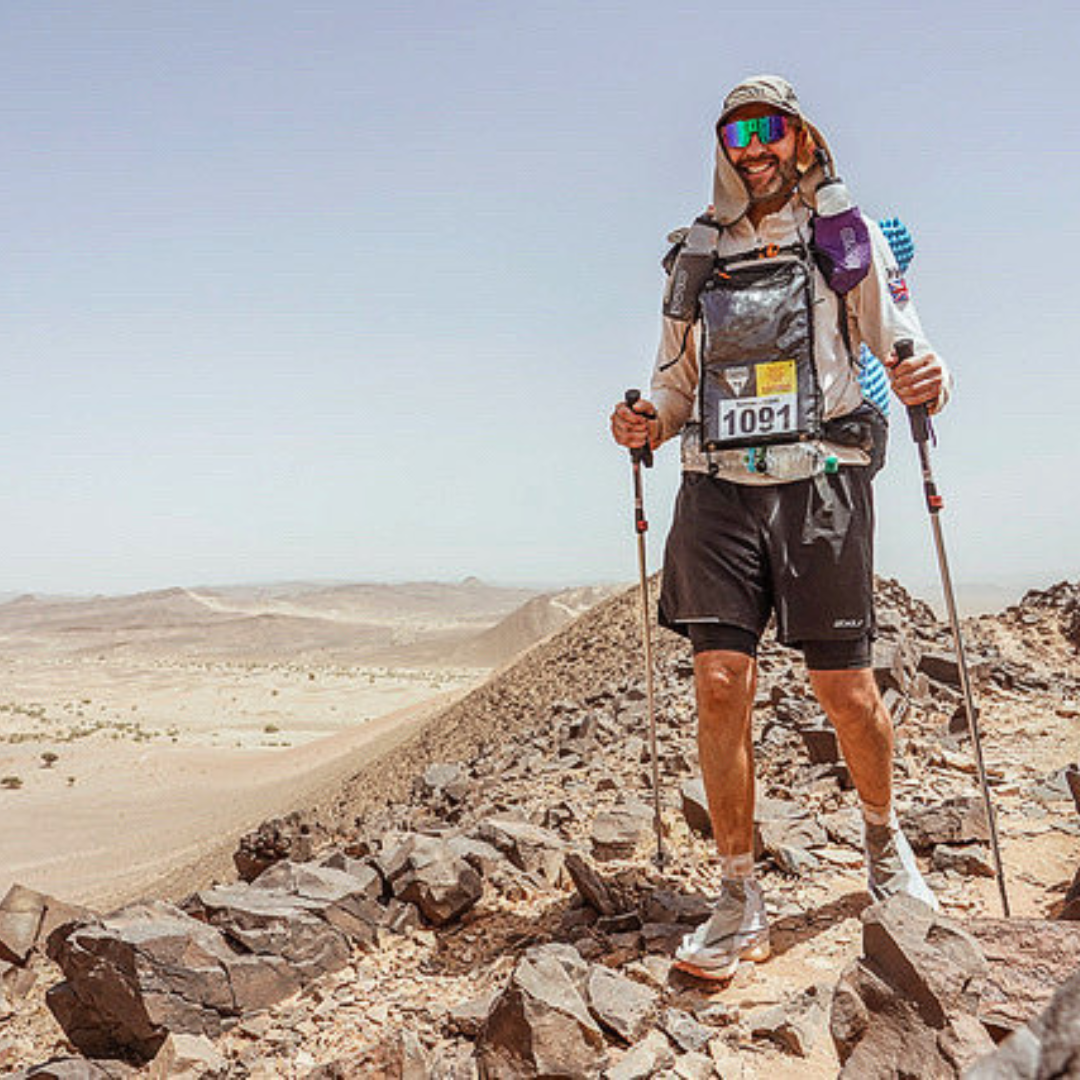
<point x="758" y="384"/>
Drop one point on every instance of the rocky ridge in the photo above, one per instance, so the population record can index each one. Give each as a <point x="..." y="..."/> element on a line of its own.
<point x="483" y="901"/>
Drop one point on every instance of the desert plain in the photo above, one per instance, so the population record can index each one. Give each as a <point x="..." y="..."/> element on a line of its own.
<point x="141" y="735"/>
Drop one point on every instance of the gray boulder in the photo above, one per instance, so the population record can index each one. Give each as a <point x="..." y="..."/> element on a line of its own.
<point x="907" y="1007"/>
<point x="530" y="848"/>
<point x="441" y="884"/>
<point x="540" y="1026"/>
<point x="1045" y="1049"/>
<point x="148" y="970"/>
<point x="1027" y="959"/>
<point x="290" y="837"/>
<point x="271" y="922"/>
<point x="695" y="807"/>
<point x="27" y="918"/>
<point x="621" y="1005"/>
<point x="617" y="833"/>
<point x="959" y="820"/>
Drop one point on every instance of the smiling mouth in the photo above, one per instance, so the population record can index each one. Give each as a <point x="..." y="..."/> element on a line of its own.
<point x="758" y="167"/>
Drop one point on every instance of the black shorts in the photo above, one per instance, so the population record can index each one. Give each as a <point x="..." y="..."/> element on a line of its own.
<point x="736" y="553"/>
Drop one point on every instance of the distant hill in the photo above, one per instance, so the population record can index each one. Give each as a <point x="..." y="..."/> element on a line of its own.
<point x="533" y="621"/>
<point x="347" y="622"/>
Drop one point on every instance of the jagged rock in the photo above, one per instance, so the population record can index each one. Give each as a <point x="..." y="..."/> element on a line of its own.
<point x="695" y="807"/>
<point x="1070" y="906"/>
<point x="844" y="827"/>
<point x="795" y="1024"/>
<point x="644" y="1059"/>
<point x="360" y="870"/>
<point x="484" y="858"/>
<point x="346" y="899"/>
<point x="540" y="1026"/>
<point x="685" y="1031"/>
<point x="664" y="906"/>
<point x="893" y="664"/>
<point x="15" y="983"/>
<point x="821" y="745"/>
<point x="272" y="922"/>
<point x="972" y="860"/>
<point x="530" y="848"/>
<point x="590" y="885"/>
<point x="413" y="1061"/>
<point x="442" y="885"/>
<point x="187" y="1057"/>
<point x="943" y="667"/>
<point x="1046" y="1048"/>
<point x="449" y="780"/>
<point x="70" y="1068"/>
<point x="905" y="1008"/>
<point x="27" y="918"/>
<point x="290" y="837"/>
<point x="694" y="1066"/>
<point x="727" y="1062"/>
<point x="956" y="821"/>
<point x="1027" y="959"/>
<point x="467" y="1017"/>
<point x="620" y="1004"/>
<point x="617" y="833"/>
<point x="782" y="831"/>
<point x="568" y="958"/>
<point x="1072" y="780"/>
<point x="148" y="970"/>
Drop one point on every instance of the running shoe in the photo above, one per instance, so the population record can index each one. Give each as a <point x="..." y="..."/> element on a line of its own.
<point x="891" y="866"/>
<point x="738" y="929"/>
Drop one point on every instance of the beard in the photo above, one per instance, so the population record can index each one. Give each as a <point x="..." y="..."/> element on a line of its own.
<point x="772" y="185"/>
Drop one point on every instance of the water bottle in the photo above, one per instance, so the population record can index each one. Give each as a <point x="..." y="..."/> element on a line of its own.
<point x="841" y="240"/>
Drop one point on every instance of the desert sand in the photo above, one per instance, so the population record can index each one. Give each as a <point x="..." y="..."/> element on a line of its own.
<point x="140" y="736"/>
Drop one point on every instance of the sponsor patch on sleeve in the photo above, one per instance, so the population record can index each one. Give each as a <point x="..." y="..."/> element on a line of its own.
<point x="898" y="289"/>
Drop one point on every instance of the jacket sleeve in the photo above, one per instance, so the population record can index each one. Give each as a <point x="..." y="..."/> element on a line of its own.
<point x="881" y="310"/>
<point x="675" y="377"/>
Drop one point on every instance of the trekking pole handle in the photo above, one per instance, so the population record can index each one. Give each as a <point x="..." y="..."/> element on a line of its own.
<point x="922" y="432"/>
<point x="640" y="454"/>
<point x="918" y="416"/>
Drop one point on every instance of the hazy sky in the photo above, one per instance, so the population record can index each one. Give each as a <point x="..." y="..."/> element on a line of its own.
<point x="345" y="290"/>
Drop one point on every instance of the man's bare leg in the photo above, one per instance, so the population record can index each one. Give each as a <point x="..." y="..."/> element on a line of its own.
<point x="725" y="683"/>
<point x="853" y="704"/>
<point x="863" y="726"/>
<point x="738" y="928"/>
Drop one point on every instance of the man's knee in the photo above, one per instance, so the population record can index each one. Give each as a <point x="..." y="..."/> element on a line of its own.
<point x="850" y="696"/>
<point x="724" y="682"/>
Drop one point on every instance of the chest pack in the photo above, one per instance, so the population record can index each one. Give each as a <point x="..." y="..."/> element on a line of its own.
<point x="758" y="382"/>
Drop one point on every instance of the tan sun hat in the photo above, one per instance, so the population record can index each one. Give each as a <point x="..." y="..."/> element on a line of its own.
<point x="730" y="199"/>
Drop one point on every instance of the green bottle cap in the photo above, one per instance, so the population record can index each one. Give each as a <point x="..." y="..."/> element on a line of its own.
<point x="832" y="465"/>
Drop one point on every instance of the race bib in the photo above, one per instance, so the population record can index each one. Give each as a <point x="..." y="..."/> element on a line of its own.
<point x="764" y="401"/>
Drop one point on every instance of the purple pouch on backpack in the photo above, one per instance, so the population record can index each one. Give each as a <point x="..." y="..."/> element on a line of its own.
<point x="841" y="240"/>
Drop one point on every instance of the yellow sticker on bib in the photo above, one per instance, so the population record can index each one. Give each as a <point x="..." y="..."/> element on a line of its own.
<point x="777" y="377"/>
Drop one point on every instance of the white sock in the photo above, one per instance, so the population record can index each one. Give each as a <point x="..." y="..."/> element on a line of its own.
<point x="876" y="815"/>
<point x="738" y="867"/>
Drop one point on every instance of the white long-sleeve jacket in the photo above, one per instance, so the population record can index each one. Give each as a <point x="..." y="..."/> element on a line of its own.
<point x="880" y="312"/>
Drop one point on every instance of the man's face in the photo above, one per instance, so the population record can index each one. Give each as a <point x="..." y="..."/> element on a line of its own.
<point x="769" y="170"/>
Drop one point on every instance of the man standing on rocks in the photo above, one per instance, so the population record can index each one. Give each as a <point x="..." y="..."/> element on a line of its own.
<point x="756" y="369"/>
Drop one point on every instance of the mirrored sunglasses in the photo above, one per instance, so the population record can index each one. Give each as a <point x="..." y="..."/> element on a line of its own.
<point x="769" y="129"/>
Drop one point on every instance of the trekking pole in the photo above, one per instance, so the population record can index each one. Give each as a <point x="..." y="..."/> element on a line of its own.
<point x="642" y="455"/>
<point x="922" y="432"/>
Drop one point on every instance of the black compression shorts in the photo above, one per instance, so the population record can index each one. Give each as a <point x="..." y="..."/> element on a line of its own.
<point x="804" y="549"/>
